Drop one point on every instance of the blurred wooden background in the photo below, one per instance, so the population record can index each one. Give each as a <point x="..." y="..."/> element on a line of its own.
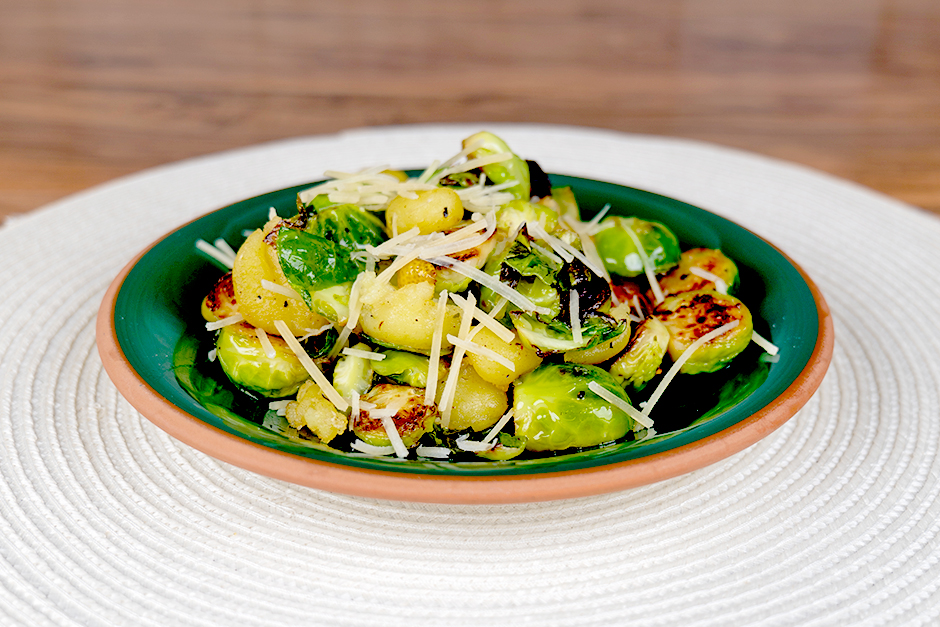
<point x="94" y="89"/>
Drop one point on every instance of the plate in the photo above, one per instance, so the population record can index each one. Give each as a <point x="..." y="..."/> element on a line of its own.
<point x="154" y="303"/>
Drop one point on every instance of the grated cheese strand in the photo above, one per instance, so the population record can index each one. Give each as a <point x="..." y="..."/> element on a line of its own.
<point x="621" y="404"/>
<point x="325" y="386"/>
<point x="430" y="390"/>
<point x="450" y="388"/>
<point x="224" y="322"/>
<point x="266" y="345"/>
<point x="355" y="352"/>
<point x="575" y="316"/>
<point x="436" y="452"/>
<point x="215" y="253"/>
<point x="280" y="289"/>
<point x="369" y="449"/>
<point x="770" y="348"/>
<point x="392" y="431"/>
<point x="720" y="286"/>
<point x="498" y="426"/>
<point x="684" y="357"/>
<point x="491" y="282"/>
<point x="488" y="321"/>
<point x="354" y="412"/>
<point x="222" y="245"/>
<point x="647" y="267"/>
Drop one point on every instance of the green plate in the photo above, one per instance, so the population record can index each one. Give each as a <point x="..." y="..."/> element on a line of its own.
<point x="155" y="301"/>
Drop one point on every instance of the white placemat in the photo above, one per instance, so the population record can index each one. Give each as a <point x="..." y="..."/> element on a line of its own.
<point x="832" y="520"/>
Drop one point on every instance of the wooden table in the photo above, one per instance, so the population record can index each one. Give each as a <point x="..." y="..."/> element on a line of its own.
<point x="94" y="89"/>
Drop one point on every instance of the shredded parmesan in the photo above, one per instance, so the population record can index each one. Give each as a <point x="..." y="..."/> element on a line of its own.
<point x="764" y="343"/>
<point x="226" y="260"/>
<point x="575" y="316"/>
<point x="450" y="388"/>
<point x="474" y="447"/>
<point x="620" y="404"/>
<point x="212" y="355"/>
<point x="389" y="423"/>
<point x="224" y="322"/>
<point x="266" y="345"/>
<point x="369" y="449"/>
<point x="222" y="245"/>
<point x="498" y="426"/>
<point x="325" y="386"/>
<point x="280" y="289"/>
<point x="684" y="357"/>
<point x="647" y="266"/>
<point x="720" y="286"/>
<point x="280" y="407"/>
<point x="491" y="282"/>
<point x="430" y="390"/>
<point x="435" y="452"/>
<point x="355" y="352"/>
<point x="488" y="321"/>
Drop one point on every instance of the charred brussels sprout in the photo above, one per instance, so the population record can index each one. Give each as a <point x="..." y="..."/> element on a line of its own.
<point x="555" y="409"/>
<point x="245" y="363"/>
<point x="643" y="357"/>
<point x="690" y="315"/>
<point x="683" y="278"/>
<point x="512" y="215"/>
<point x="513" y="169"/>
<point x="617" y="239"/>
<point x="411" y="416"/>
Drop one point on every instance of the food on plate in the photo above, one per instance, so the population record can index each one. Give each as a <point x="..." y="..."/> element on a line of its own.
<point x="468" y="312"/>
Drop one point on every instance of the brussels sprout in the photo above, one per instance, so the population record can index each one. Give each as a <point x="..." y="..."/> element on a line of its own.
<point x="220" y="301"/>
<point x="555" y="336"/>
<point x="320" y="257"/>
<point x="405" y="368"/>
<point x="513" y="214"/>
<point x="412" y="417"/>
<point x="514" y="169"/>
<point x="566" y="202"/>
<point x="619" y="252"/>
<point x="353" y="374"/>
<point x="555" y="409"/>
<point x="642" y="359"/>
<point x="245" y="363"/>
<point x="507" y="447"/>
<point x="682" y="279"/>
<point x="314" y="411"/>
<point x="690" y="315"/>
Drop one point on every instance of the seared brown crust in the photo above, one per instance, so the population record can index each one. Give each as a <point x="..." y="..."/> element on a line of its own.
<point x="701" y="314"/>
<point x="221" y="298"/>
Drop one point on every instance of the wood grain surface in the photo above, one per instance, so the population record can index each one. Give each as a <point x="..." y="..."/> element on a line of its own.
<point x="95" y="89"/>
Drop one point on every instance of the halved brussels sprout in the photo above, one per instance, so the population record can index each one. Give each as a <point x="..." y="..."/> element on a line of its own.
<point x="555" y="409"/>
<point x="245" y="363"/>
<point x="314" y="411"/>
<point x="405" y="368"/>
<point x="507" y="447"/>
<point x="682" y="279"/>
<point x="412" y="419"/>
<point x="514" y="169"/>
<point x="642" y="359"/>
<point x="513" y="214"/>
<point x="220" y="301"/>
<point x="690" y="315"/>
<point x="353" y="374"/>
<point x="556" y="337"/>
<point x="619" y="252"/>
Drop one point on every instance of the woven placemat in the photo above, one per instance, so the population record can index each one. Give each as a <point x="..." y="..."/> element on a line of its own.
<point x="831" y="520"/>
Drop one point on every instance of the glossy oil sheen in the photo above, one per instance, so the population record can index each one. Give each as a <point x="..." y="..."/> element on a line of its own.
<point x="160" y="299"/>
